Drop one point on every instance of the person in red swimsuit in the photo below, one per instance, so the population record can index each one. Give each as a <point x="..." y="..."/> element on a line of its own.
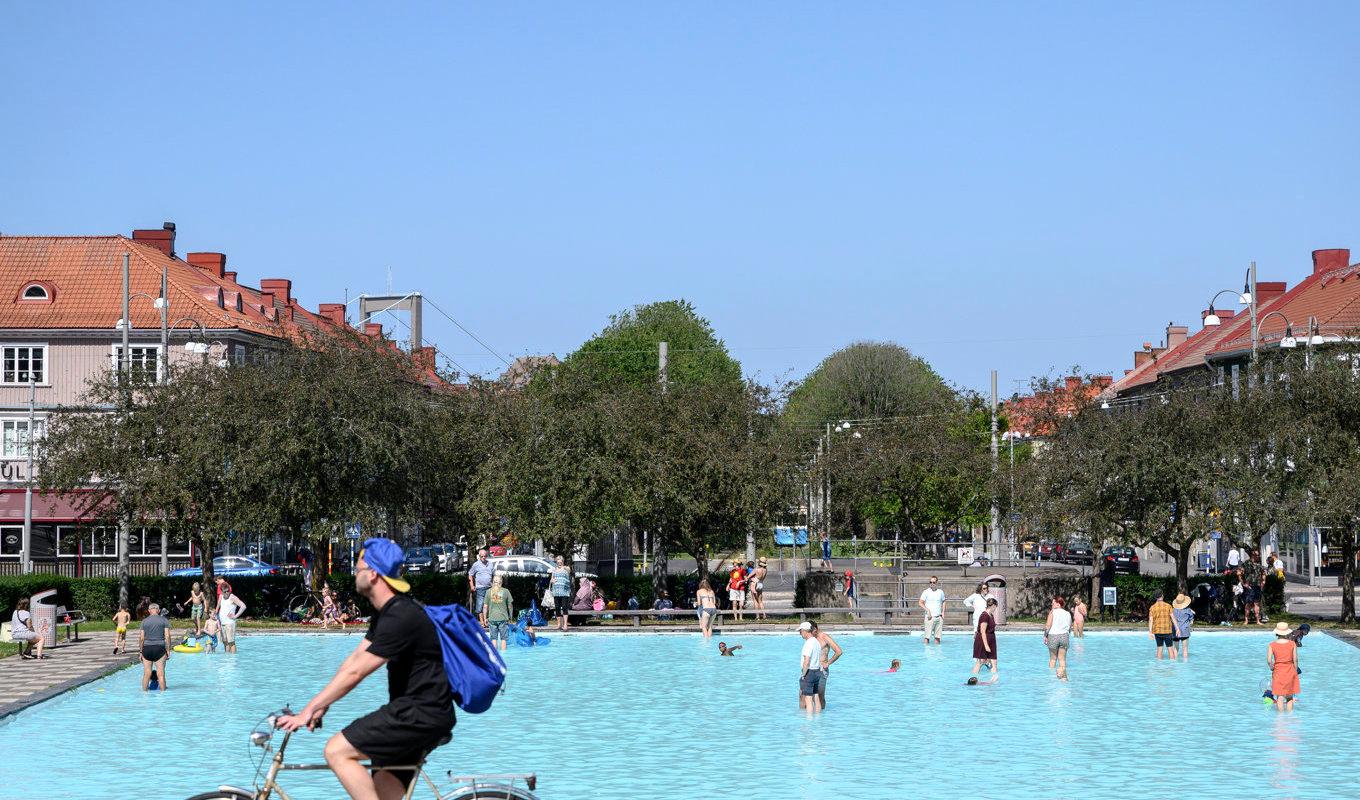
<point x="736" y="588"/>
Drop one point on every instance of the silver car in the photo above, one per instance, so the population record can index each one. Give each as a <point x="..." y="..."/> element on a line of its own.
<point x="527" y="567"/>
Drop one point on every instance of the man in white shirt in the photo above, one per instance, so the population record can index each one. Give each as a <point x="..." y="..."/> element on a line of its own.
<point x="932" y="601"/>
<point x="1234" y="558"/>
<point x="810" y="680"/>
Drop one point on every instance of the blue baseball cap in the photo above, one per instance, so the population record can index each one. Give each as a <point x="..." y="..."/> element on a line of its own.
<point x="385" y="557"/>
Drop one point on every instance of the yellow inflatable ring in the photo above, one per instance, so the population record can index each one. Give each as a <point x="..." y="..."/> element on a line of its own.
<point x="181" y="648"/>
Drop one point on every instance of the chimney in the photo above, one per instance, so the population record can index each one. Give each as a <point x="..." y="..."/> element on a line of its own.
<point x="424" y="357"/>
<point x="1175" y="335"/>
<point x="1327" y="260"/>
<point x="1072" y="382"/>
<point x="373" y="329"/>
<point x="229" y="275"/>
<point x="335" y="312"/>
<point x="1267" y="291"/>
<point x="1103" y="381"/>
<point x="1141" y="357"/>
<point x="163" y="239"/>
<point x="282" y="288"/>
<point x="1224" y="315"/>
<point x="215" y="264"/>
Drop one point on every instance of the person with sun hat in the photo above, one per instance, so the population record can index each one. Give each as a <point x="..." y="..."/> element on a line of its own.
<point x="418" y="716"/>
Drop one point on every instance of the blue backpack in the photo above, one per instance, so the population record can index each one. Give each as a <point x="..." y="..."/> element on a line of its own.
<point x="475" y="668"/>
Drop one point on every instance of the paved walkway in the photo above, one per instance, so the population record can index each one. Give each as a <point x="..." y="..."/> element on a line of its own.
<point x="24" y="682"/>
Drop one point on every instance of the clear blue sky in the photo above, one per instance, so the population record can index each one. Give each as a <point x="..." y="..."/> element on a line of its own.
<point x="1009" y="185"/>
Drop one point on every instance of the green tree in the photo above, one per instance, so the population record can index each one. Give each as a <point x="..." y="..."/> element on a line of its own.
<point x="627" y="350"/>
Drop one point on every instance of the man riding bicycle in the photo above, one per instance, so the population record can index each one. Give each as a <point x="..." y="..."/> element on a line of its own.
<point x="419" y="714"/>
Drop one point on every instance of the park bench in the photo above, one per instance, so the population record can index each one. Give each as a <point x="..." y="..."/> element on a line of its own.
<point x="71" y="618"/>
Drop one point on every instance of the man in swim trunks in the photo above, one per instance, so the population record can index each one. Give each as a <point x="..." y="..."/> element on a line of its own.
<point x="120" y="623"/>
<point x="830" y="653"/>
<point x="418" y="716"/>
<point x="228" y="610"/>
<point x="154" y="645"/>
<point x="810" y="678"/>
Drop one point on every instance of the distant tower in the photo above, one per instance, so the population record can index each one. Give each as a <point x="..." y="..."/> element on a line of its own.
<point x="370" y="304"/>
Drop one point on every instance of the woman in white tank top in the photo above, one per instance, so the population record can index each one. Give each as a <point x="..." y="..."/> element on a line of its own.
<point x="1056" y="630"/>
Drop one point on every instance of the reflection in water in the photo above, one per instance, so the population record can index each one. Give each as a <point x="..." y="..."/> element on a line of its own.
<point x="1285" y="753"/>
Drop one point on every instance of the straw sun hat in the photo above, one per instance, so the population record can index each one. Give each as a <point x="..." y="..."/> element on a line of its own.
<point x="1283" y="629"/>
<point x="1181" y="601"/>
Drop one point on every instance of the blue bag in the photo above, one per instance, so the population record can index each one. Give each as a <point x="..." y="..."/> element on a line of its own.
<point x="535" y="616"/>
<point x="475" y="668"/>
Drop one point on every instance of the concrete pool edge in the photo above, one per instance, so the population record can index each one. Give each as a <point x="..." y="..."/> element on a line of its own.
<point x="56" y="690"/>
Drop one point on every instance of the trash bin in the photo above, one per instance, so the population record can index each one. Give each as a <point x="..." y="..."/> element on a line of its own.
<point x="44" y="609"/>
<point x="997" y="588"/>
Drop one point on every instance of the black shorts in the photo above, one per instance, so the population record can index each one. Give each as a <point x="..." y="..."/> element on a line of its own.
<point x="1165" y="639"/>
<point x="153" y="652"/>
<point x="397" y="736"/>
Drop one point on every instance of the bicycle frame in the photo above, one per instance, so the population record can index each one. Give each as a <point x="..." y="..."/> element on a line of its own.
<point x="277" y="765"/>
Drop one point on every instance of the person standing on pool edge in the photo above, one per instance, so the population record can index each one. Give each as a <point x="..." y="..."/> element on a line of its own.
<point x="418" y="716"/>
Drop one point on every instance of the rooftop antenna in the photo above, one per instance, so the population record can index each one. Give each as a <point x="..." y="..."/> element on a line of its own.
<point x="389" y="280"/>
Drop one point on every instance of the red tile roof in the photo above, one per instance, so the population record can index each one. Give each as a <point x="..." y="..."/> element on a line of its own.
<point x="1331" y="295"/>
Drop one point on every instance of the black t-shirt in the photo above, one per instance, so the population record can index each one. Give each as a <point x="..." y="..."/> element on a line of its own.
<point x="402" y="633"/>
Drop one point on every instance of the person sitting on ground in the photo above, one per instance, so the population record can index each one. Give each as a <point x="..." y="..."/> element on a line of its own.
<point x="724" y="650"/>
<point x="24" y="632"/>
<point x="120" y="623"/>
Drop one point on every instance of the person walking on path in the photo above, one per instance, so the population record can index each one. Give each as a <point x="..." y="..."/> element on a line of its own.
<point x="1182" y="618"/>
<point x="977" y="603"/>
<point x="984" y="639"/>
<point x="1253" y="583"/>
<point x="418" y="716"/>
<point x="229" y="609"/>
<point x="932" y="602"/>
<point x="736" y="588"/>
<point x="24" y="631"/>
<point x="706" y="606"/>
<point x="500" y="610"/>
<point x="831" y="652"/>
<point x="812" y="676"/>
<point x="198" y="605"/>
<point x="1283" y="659"/>
<point x="1056" y="630"/>
<point x="1160" y="627"/>
<point x="1234" y="559"/>
<point x="755" y="587"/>
<point x="120" y="623"/>
<point x="1078" y="617"/>
<point x="560" y="585"/>
<point x="154" y="645"/>
<point x="826" y="550"/>
<point x="479" y="581"/>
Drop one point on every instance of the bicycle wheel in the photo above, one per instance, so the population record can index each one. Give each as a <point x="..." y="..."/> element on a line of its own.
<point x="223" y="794"/>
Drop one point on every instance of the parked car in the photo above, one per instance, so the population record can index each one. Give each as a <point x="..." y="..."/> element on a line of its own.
<point x="447" y="556"/>
<point x="1124" y="559"/>
<point x="528" y="567"/>
<point x="229" y="567"/>
<point x="1078" y="551"/>
<point x="420" y="561"/>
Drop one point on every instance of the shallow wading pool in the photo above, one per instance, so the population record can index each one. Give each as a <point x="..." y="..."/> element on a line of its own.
<point x="663" y="716"/>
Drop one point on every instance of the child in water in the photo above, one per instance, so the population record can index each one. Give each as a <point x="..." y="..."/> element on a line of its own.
<point x="210" y="629"/>
<point x="120" y="623"/>
<point x="895" y="666"/>
<point x="724" y="650"/>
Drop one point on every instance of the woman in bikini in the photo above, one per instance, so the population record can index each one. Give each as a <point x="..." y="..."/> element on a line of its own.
<point x="707" y="607"/>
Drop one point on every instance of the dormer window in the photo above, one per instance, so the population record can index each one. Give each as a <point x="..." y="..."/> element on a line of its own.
<point x="36" y="292"/>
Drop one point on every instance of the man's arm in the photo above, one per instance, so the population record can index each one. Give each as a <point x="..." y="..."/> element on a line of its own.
<point x="922" y="602"/>
<point x="835" y="650"/>
<point x="356" y="666"/>
<point x="805" y="667"/>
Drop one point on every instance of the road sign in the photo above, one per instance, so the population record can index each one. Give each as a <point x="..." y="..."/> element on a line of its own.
<point x="1109" y="596"/>
<point x="965" y="556"/>
<point x="1215" y="535"/>
<point x="352" y="531"/>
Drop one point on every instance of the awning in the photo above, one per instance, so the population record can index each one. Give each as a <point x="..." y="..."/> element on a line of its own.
<point x="49" y="507"/>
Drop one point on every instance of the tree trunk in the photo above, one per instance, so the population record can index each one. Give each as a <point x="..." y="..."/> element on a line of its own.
<point x="124" y="574"/>
<point x="1348" y="573"/>
<point x="206" y="558"/>
<point x="1182" y="568"/>
<point x="660" y="565"/>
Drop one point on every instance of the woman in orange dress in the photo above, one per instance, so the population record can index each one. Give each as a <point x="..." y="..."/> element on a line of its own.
<point x="1283" y="659"/>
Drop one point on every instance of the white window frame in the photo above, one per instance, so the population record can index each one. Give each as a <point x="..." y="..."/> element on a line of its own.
<point x="46" y="367"/>
<point x="135" y="346"/>
<point x="46" y="294"/>
<point x="16" y="449"/>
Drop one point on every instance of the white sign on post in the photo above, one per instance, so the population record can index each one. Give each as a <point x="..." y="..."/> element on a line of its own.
<point x="1109" y="596"/>
<point x="965" y="556"/>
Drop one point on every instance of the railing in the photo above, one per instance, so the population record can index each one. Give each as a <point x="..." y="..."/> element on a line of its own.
<point x="890" y="613"/>
<point x="90" y="568"/>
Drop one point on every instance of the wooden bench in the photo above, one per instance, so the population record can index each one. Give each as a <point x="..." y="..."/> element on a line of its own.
<point x="71" y="619"/>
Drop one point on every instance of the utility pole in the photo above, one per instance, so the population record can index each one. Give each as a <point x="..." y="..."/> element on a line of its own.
<point x="826" y="508"/>
<point x="662" y="361"/>
<point x="124" y="368"/>
<point x="996" y="512"/>
<point x="1255" y="334"/>
<point x="26" y="546"/>
<point x="163" y="374"/>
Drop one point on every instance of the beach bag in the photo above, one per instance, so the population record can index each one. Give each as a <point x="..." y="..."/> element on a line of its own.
<point x="535" y="616"/>
<point x="598" y="604"/>
<point x="548" y="601"/>
<point x="474" y="667"/>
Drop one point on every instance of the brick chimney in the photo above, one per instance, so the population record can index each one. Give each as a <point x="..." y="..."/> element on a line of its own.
<point x="373" y="329"/>
<point x="1176" y="335"/>
<point x="1103" y="381"/>
<point x="163" y="239"/>
<point x="1224" y="315"/>
<point x="1072" y="382"/>
<point x="1141" y="357"/>
<point x="1267" y="291"/>
<point x="281" y="288"/>
<point x="335" y="312"/>
<point x="424" y="357"/>
<point x="215" y="264"/>
<point x="229" y="275"/>
<point x="1327" y="260"/>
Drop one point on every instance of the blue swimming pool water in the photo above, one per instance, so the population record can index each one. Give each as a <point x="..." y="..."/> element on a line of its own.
<point x="663" y="716"/>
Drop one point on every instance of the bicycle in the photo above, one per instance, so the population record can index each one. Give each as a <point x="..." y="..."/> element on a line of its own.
<point x="461" y="787"/>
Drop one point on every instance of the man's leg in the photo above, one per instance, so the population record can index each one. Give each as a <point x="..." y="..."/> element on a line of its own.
<point x="160" y="665"/>
<point x="344" y="760"/>
<point x="821" y="690"/>
<point x="146" y="674"/>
